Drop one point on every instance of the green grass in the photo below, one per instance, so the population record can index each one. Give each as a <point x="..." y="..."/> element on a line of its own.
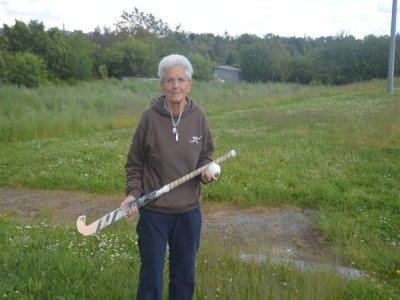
<point x="52" y="261"/>
<point x="233" y="279"/>
<point x="335" y="149"/>
<point x="47" y="261"/>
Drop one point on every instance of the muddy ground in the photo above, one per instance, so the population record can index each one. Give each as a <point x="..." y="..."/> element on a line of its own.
<point x="287" y="232"/>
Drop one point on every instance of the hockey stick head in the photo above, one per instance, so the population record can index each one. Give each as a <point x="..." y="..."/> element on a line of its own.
<point x="100" y="223"/>
<point x="81" y="226"/>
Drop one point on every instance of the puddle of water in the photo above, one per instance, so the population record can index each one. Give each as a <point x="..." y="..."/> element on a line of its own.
<point x="304" y="265"/>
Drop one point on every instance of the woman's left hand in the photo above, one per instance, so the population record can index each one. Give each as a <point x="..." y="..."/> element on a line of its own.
<point x="207" y="178"/>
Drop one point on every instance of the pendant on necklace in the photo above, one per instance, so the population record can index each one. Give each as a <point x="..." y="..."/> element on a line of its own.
<point x="175" y="131"/>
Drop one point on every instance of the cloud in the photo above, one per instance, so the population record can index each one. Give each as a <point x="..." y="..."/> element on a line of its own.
<point x="312" y="18"/>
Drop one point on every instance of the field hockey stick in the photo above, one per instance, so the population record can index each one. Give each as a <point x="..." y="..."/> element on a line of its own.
<point x="143" y="200"/>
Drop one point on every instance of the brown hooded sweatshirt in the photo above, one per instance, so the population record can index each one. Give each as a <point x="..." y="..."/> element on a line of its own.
<point x="155" y="158"/>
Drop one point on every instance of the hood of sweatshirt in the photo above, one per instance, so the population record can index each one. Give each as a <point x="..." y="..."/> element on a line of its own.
<point x="158" y="105"/>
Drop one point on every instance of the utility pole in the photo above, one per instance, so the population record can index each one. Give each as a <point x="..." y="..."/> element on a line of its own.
<point x="392" y="49"/>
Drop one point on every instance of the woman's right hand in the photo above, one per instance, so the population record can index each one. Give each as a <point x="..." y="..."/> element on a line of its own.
<point x="133" y="209"/>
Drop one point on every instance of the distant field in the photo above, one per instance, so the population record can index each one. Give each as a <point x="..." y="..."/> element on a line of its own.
<point x="334" y="149"/>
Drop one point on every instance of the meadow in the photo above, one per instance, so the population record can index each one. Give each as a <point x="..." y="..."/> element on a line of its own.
<point x="333" y="149"/>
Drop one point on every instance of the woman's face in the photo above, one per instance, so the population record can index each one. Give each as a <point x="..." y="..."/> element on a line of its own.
<point x="175" y="85"/>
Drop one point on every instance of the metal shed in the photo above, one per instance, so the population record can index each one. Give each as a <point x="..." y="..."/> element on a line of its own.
<point x="227" y="73"/>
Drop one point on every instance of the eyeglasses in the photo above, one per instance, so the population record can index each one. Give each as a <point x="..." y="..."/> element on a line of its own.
<point x="172" y="80"/>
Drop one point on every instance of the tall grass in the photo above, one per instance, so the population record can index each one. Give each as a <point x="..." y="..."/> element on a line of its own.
<point x="57" y="111"/>
<point x="54" y="111"/>
<point x="335" y="149"/>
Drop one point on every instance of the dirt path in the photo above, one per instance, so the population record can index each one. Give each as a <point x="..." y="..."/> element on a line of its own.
<point x="288" y="232"/>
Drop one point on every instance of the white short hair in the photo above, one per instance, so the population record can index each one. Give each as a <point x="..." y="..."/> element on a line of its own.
<point x="175" y="60"/>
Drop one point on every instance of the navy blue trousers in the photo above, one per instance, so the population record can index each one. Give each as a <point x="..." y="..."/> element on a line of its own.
<point x="182" y="234"/>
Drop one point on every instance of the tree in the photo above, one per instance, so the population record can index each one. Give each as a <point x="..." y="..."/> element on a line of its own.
<point x="168" y="44"/>
<point x="135" y="47"/>
<point x="3" y="65"/>
<point x="55" y="55"/>
<point x="336" y="61"/>
<point x="17" y="37"/>
<point x="397" y="58"/>
<point x="129" y="58"/>
<point x="231" y="59"/>
<point x="113" y="61"/>
<point x="27" y="69"/>
<point x="37" y="37"/>
<point x="79" y="57"/>
<point x="279" y="58"/>
<point x="300" y="69"/>
<point x="23" y="38"/>
<point x="371" y="62"/>
<point x="255" y="62"/>
<point x="246" y="40"/>
<point x="137" y="21"/>
<point x="266" y="60"/>
<point x="202" y="67"/>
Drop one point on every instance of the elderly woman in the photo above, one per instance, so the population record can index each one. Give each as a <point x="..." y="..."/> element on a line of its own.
<point x="172" y="139"/>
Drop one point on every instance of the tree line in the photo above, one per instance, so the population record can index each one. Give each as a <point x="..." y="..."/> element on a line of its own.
<point x="30" y="54"/>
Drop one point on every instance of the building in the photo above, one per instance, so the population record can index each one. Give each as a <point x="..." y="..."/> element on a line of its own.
<point x="227" y="73"/>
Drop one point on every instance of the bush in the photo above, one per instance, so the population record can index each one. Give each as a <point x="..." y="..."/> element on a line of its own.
<point x="202" y="67"/>
<point x="27" y="69"/>
<point x="103" y="72"/>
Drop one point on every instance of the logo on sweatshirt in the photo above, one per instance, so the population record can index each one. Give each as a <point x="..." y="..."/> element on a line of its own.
<point x="195" y="139"/>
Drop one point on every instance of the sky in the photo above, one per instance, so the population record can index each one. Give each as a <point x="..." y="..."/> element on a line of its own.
<point x="300" y="18"/>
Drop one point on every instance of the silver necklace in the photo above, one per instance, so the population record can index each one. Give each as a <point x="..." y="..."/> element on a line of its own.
<point x="174" y="124"/>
